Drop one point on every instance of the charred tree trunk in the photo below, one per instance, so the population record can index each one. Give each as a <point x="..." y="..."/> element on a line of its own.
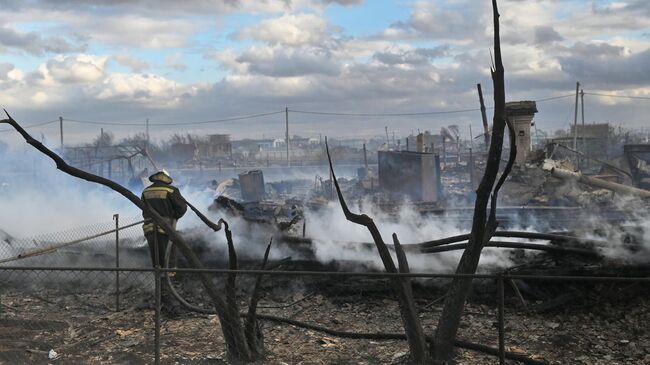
<point x="237" y="347"/>
<point x="482" y="227"/>
<point x="401" y="286"/>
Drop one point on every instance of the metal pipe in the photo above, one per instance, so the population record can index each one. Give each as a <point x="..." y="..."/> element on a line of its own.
<point x="514" y="245"/>
<point x="116" y="217"/>
<point x="157" y="298"/>
<point x="592" y="181"/>
<point x="500" y="319"/>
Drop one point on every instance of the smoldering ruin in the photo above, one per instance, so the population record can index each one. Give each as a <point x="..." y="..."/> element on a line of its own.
<point x="563" y="212"/>
<point x="431" y="248"/>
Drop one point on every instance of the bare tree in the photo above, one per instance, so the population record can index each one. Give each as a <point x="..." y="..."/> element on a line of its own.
<point x="483" y="226"/>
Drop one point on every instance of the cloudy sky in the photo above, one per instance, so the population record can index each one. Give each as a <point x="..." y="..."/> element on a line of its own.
<point x="117" y="62"/>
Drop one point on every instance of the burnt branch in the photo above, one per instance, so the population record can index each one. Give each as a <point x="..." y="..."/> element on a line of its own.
<point x="236" y="344"/>
<point x="492" y="220"/>
<point x="401" y="288"/>
<point x="253" y="333"/>
<point x="398" y="336"/>
<point x="363" y="220"/>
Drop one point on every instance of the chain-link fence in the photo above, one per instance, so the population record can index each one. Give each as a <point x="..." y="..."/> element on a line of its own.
<point x="60" y="307"/>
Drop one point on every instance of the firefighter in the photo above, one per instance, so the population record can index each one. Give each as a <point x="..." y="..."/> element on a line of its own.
<point x="168" y="202"/>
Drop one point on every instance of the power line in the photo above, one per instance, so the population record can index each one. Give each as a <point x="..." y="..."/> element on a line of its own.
<point x="620" y="96"/>
<point x="250" y="116"/>
<point x="385" y="114"/>
<point x="32" y="125"/>
<point x="412" y="114"/>
<point x="554" y="98"/>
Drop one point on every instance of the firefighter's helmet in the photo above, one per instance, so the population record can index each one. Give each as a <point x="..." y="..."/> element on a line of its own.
<point x="161" y="176"/>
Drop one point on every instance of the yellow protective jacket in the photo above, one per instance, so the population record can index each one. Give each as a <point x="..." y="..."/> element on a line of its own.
<point x="167" y="201"/>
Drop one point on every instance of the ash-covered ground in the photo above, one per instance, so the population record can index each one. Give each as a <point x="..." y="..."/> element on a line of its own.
<point x="601" y="324"/>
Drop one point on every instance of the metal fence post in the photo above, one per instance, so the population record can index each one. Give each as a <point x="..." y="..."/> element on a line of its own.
<point x="116" y="217"/>
<point x="157" y="298"/>
<point x="501" y="299"/>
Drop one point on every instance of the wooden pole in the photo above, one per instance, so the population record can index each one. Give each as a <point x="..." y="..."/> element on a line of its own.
<point x="387" y="139"/>
<point x="575" y="119"/>
<point x="457" y="150"/>
<point x="486" y="128"/>
<point x="286" y="118"/>
<point x="470" y="168"/>
<point x="471" y="137"/>
<point x="444" y="152"/>
<point x="61" y="131"/>
<point x="365" y="156"/>
<point x="582" y="107"/>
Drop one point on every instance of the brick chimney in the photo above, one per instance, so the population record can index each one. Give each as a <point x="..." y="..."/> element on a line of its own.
<point x="521" y="114"/>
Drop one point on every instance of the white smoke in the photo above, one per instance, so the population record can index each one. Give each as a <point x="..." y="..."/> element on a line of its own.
<point x="36" y="198"/>
<point x="330" y="230"/>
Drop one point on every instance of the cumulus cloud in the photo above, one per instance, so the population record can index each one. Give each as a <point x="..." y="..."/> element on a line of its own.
<point x="462" y="22"/>
<point x="411" y="57"/>
<point x="605" y="65"/>
<point x="135" y="30"/>
<point x="282" y="62"/>
<point x="296" y="55"/>
<point x="76" y="69"/>
<point x="546" y="34"/>
<point x="342" y="2"/>
<point x="147" y="90"/>
<point x="33" y="43"/>
<point x="289" y="29"/>
<point x="5" y="68"/>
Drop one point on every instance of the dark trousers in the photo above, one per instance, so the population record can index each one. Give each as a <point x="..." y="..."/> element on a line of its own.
<point x="162" y="242"/>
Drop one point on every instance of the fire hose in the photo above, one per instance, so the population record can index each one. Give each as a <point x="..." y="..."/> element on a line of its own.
<point x="458" y="343"/>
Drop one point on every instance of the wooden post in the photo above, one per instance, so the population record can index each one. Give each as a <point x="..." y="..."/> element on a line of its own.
<point x="61" y="131"/>
<point x="486" y="128"/>
<point x="116" y="218"/>
<point x="457" y="150"/>
<point x="365" y="156"/>
<point x="444" y="152"/>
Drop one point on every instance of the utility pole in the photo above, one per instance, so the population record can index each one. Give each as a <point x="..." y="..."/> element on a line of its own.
<point x="61" y="131"/>
<point x="387" y="139"/>
<point x="286" y="118"/>
<point x="365" y="157"/>
<point x="471" y="137"/>
<point x="486" y="129"/>
<point x="575" y="119"/>
<point x="582" y="106"/>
